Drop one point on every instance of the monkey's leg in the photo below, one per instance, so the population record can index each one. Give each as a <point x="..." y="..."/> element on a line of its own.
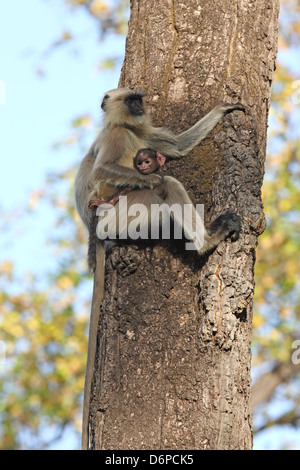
<point x="184" y="214"/>
<point x="131" y="214"/>
<point x="227" y="224"/>
<point x="168" y="200"/>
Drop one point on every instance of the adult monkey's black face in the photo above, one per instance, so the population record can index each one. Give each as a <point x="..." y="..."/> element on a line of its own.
<point x="135" y="104"/>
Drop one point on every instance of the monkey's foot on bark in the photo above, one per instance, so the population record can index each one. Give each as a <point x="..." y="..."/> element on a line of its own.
<point x="229" y="223"/>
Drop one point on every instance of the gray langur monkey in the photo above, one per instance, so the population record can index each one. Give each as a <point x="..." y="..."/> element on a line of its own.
<point x="108" y="167"/>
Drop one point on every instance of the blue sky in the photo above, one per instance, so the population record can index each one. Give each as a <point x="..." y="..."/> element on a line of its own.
<point x="39" y="108"/>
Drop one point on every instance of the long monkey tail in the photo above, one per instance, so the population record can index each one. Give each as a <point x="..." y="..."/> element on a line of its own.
<point x="98" y="292"/>
<point x="93" y="242"/>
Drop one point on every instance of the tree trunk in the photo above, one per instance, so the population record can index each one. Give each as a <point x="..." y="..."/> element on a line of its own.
<point x="173" y="362"/>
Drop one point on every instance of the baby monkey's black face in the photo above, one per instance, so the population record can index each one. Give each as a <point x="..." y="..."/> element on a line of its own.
<point x="135" y="104"/>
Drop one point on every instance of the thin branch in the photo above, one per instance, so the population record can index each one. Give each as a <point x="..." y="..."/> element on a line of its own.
<point x="267" y="383"/>
<point x="290" y="418"/>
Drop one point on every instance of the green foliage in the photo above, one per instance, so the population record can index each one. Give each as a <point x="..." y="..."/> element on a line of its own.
<point x="277" y="295"/>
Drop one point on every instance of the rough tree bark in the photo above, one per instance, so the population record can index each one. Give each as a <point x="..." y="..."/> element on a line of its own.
<point x="173" y="363"/>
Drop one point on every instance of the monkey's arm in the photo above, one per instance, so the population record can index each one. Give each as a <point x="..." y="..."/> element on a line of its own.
<point x="179" y="145"/>
<point x="122" y="177"/>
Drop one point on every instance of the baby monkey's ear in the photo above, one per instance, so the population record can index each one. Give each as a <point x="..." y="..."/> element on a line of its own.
<point x="161" y="159"/>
